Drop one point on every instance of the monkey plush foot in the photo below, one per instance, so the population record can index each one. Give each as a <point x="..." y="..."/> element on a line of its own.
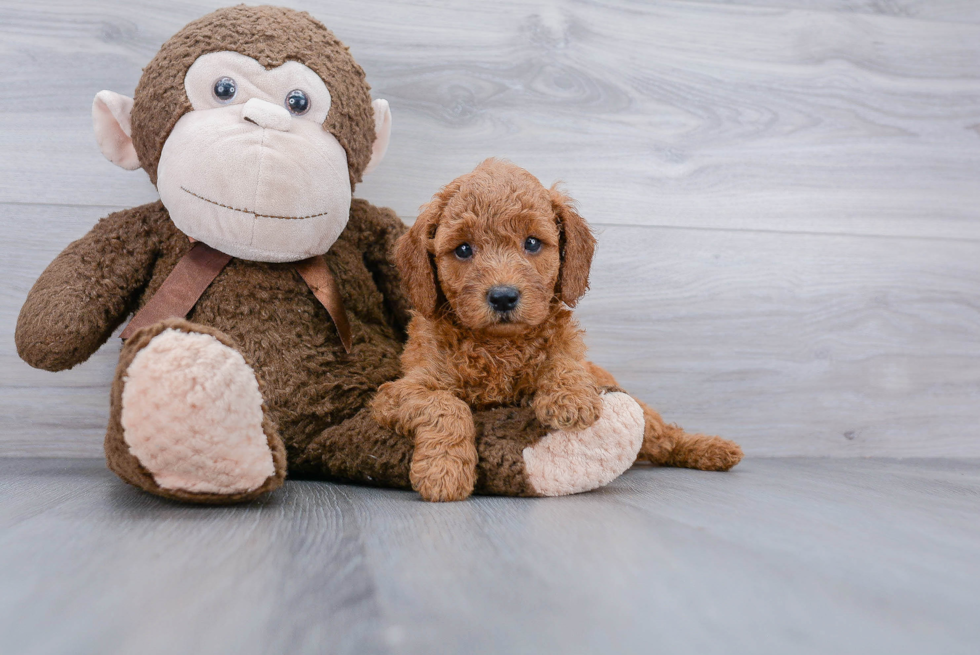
<point x="188" y="420"/>
<point x="569" y="462"/>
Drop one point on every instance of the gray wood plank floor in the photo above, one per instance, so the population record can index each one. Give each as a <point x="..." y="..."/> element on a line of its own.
<point x="779" y="556"/>
<point x="787" y="192"/>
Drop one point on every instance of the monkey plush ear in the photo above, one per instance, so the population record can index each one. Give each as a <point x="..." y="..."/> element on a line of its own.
<point x="113" y="131"/>
<point x="382" y="133"/>
<point x="577" y="248"/>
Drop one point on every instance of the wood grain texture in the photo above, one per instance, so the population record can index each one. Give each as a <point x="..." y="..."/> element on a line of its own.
<point x="778" y="556"/>
<point x="957" y="11"/>
<point x="795" y="344"/>
<point x="787" y="192"/>
<point x="674" y="113"/>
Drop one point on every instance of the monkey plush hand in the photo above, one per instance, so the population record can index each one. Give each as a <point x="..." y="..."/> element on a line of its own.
<point x="267" y="308"/>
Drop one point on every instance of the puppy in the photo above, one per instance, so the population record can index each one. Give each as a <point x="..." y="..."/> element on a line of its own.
<point x="492" y="266"/>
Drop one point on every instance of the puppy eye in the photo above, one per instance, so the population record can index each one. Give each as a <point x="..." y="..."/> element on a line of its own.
<point x="532" y="245"/>
<point x="464" y="251"/>
<point x="224" y="89"/>
<point x="297" y="102"/>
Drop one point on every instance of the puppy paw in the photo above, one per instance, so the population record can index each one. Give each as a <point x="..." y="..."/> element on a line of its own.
<point x="446" y="475"/>
<point x="569" y="409"/>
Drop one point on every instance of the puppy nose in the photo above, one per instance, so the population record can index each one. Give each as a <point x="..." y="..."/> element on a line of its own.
<point x="503" y="299"/>
<point x="265" y="114"/>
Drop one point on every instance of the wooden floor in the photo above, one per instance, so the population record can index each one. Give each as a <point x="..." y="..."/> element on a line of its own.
<point x="780" y="556"/>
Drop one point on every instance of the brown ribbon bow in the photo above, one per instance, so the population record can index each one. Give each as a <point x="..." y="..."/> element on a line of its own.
<point x="195" y="272"/>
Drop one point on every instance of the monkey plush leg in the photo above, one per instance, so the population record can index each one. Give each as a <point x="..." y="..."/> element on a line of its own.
<point x="569" y="462"/>
<point x="187" y="420"/>
<point x="517" y="456"/>
<point x="669" y="445"/>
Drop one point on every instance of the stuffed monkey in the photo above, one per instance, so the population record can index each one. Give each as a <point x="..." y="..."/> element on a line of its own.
<point x="267" y="307"/>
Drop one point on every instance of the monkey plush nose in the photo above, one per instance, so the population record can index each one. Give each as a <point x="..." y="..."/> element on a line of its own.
<point x="265" y="114"/>
<point x="503" y="299"/>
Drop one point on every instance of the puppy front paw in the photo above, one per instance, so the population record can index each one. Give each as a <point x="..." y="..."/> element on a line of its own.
<point x="444" y="475"/>
<point x="569" y="409"/>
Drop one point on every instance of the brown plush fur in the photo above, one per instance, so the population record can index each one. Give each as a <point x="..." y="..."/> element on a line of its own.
<point x="462" y="354"/>
<point x="272" y="36"/>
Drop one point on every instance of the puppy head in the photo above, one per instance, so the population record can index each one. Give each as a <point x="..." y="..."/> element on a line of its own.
<point x="496" y="247"/>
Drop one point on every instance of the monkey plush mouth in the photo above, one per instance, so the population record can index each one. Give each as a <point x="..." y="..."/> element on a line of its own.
<point x="249" y="211"/>
<point x="255" y="193"/>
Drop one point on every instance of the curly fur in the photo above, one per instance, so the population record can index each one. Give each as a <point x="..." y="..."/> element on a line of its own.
<point x="462" y="354"/>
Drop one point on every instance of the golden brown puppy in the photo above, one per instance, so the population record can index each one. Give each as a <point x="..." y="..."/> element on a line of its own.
<point x="492" y="265"/>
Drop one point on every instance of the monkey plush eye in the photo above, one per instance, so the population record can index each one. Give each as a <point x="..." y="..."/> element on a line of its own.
<point x="225" y="89"/>
<point x="464" y="251"/>
<point x="532" y="245"/>
<point x="297" y="102"/>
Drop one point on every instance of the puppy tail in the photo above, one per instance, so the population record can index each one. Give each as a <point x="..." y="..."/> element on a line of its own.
<point x="667" y="444"/>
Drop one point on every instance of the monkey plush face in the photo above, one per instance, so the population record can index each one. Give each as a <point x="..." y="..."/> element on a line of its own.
<point x="251" y="171"/>
<point x="254" y="144"/>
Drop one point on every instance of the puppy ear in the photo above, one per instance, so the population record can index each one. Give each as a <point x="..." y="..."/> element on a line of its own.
<point x="413" y="258"/>
<point x="577" y="248"/>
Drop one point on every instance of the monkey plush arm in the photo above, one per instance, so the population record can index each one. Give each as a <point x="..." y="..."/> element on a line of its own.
<point x="87" y="291"/>
<point x="381" y="228"/>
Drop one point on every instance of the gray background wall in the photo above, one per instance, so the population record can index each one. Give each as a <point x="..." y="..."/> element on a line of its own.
<point x="787" y="193"/>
